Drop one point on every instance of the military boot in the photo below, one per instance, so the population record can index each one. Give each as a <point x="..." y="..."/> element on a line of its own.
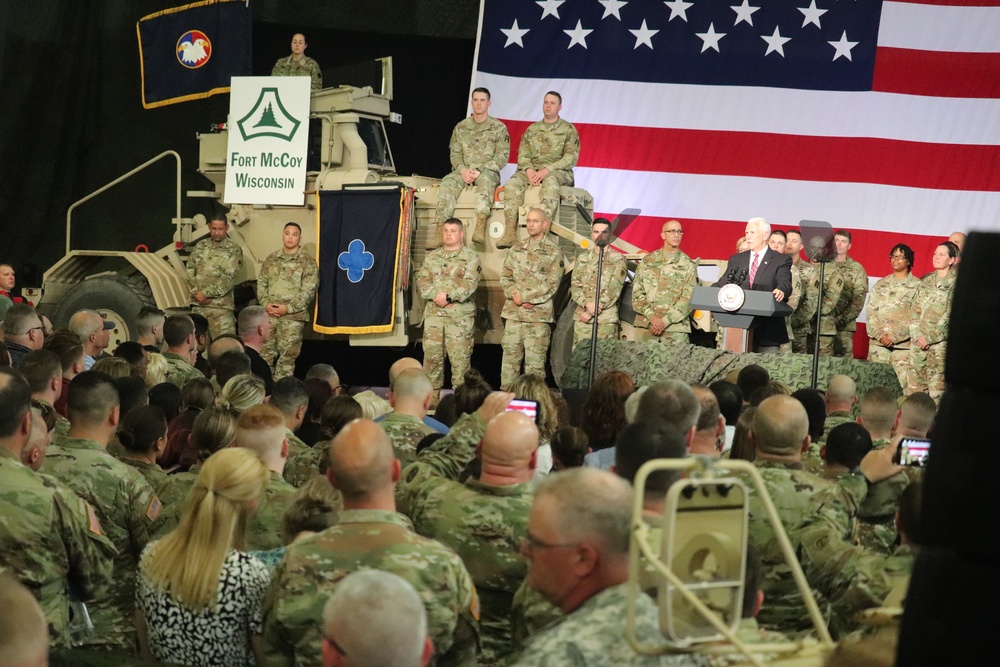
<point x="479" y="236"/>
<point x="509" y="237"/>
<point x="437" y="237"/>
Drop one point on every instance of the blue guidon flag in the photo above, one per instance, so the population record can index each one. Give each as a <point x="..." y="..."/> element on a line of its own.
<point x="360" y="242"/>
<point x="192" y="52"/>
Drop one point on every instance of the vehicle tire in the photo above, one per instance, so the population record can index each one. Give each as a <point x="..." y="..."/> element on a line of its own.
<point x="561" y="346"/>
<point x="117" y="298"/>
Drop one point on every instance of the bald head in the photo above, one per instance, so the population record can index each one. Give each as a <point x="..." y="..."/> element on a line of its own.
<point x="958" y="238"/>
<point x="841" y="394"/>
<point x="780" y="427"/>
<point x="222" y="345"/>
<point x="509" y="444"/>
<point x="362" y="466"/>
<point x="401" y="365"/>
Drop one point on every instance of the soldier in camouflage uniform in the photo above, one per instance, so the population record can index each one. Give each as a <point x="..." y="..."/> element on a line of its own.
<point x="211" y="270"/>
<point x="662" y="288"/>
<point x="801" y="321"/>
<point x="566" y="544"/>
<point x="829" y="303"/>
<point x="447" y="280"/>
<point x="261" y="429"/>
<point x="778" y="241"/>
<point x="369" y="534"/>
<point x="852" y="299"/>
<point x="178" y="333"/>
<point x="531" y="275"/>
<point x="410" y="396"/>
<point x="548" y="151"/>
<point x="585" y="280"/>
<point x="122" y="499"/>
<point x="890" y="312"/>
<point x="49" y="537"/>
<point x="298" y="64"/>
<point x="485" y="519"/>
<point x="286" y="286"/>
<point x="929" y="326"/>
<point x="780" y="428"/>
<point x="479" y="149"/>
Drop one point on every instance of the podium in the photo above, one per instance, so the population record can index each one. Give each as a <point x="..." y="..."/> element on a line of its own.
<point x="737" y="325"/>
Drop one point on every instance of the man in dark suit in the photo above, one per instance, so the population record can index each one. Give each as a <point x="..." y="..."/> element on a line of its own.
<point x="763" y="270"/>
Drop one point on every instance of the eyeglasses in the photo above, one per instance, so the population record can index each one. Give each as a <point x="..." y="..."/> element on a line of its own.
<point x="897" y="256"/>
<point x="530" y="543"/>
<point x="674" y="231"/>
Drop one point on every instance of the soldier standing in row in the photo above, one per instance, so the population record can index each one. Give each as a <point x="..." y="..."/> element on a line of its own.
<point x="583" y="288"/>
<point x="211" y="271"/>
<point x="299" y="64"/>
<point x="662" y="289"/>
<point x="479" y="148"/>
<point x="286" y="286"/>
<point x="890" y="313"/>
<point x="548" y="151"/>
<point x="929" y="325"/>
<point x="801" y="321"/>
<point x="852" y="299"/>
<point x="531" y="274"/>
<point x="448" y="280"/>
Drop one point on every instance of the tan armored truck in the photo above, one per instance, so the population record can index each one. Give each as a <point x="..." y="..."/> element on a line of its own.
<point x="350" y="148"/>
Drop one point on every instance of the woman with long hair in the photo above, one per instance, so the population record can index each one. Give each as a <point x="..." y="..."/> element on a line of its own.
<point x="533" y="388"/>
<point x="242" y="392"/>
<point x="604" y="410"/>
<point x="198" y="595"/>
<point x="929" y="326"/>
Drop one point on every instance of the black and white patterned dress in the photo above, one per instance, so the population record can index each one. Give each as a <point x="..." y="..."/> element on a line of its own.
<point x="213" y="638"/>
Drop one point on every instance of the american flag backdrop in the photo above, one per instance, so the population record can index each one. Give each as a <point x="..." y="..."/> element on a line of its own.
<point x="880" y="117"/>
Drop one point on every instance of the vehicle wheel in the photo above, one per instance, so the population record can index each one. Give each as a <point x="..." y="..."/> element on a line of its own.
<point x="117" y="298"/>
<point x="561" y="347"/>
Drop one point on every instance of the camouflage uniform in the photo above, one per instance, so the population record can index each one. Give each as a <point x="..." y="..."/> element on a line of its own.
<point x="582" y="292"/>
<point x="127" y="507"/>
<point x="306" y="67"/>
<point x="456" y="273"/>
<point x="805" y="314"/>
<point x="852" y="578"/>
<point x="178" y="487"/>
<point x="833" y="292"/>
<point x="555" y="146"/>
<point x="593" y="634"/>
<point x="212" y="269"/>
<point x="405" y="432"/>
<point x="931" y="309"/>
<point x="295" y="444"/>
<point x="289" y="280"/>
<point x="791" y="489"/>
<point x="180" y="371"/>
<point x="662" y="286"/>
<point x="530" y="613"/>
<point x="852" y="301"/>
<point x="484" y="146"/>
<point x="484" y="524"/>
<point x="302" y="467"/>
<point x="792" y="301"/>
<point x="376" y="539"/>
<point x="535" y="269"/>
<point x="50" y="539"/>
<point x="167" y="490"/>
<point x="889" y="312"/>
<point x="264" y="525"/>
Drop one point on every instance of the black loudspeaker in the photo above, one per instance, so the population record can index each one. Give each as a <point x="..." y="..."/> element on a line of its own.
<point x="953" y="603"/>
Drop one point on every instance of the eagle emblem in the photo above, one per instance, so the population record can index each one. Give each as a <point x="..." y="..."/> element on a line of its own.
<point x="194" y="49"/>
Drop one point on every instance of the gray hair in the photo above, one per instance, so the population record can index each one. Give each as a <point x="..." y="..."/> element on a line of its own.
<point x="673" y="401"/>
<point x="592" y="504"/>
<point x="250" y="318"/>
<point x="763" y="225"/>
<point x="378" y="619"/>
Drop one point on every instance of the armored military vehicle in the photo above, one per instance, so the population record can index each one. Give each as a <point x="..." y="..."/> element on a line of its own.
<point x="348" y="148"/>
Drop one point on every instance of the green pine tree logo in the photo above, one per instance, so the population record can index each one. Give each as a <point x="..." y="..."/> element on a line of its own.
<point x="267" y="118"/>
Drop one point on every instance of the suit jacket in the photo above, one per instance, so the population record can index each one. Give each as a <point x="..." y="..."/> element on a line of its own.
<point x="773" y="272"/>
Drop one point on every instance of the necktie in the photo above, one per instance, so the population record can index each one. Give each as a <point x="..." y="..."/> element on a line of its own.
<point x="753" y="267"/>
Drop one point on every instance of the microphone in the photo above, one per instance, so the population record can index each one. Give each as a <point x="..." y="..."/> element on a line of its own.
<point x="742" y="277"/>
<point x="731" y="276"/>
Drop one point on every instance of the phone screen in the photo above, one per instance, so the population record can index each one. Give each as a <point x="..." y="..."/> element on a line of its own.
<point x="529" y="408"/>
<point x="914" y="451"/>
